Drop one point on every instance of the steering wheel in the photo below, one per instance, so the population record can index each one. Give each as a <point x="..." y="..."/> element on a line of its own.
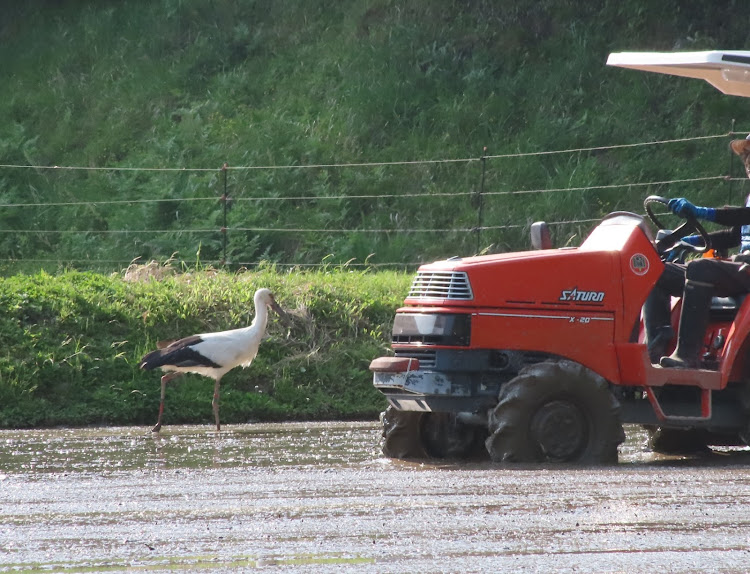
<point x="691" y="224"/>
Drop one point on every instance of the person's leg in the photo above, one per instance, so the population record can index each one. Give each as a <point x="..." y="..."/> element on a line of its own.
<point x="704" y="277"/>
<point x="696" y="304"/>
<point x="728" y="278"/>
<point x="657" y="312"/>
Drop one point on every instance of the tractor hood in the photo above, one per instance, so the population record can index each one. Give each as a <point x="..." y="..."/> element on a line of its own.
<point x="618" y="254"/>
<point x="527" y="279"/>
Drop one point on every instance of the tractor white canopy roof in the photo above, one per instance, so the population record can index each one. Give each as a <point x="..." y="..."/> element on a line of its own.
<point x="726" y="70"/>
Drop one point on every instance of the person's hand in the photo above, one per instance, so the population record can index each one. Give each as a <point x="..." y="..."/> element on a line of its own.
<point x="676" y="255"/>
<point x="681" y="249"/>
<point x="682" y="207"/>
<point x="694" y="240"/>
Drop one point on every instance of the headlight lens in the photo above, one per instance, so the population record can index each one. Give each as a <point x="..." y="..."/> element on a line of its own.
<point x="432" y="329"/>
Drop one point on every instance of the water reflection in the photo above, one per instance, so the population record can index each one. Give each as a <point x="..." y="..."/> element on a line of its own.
<point x="315" y="497"/>
<point x="112" y="449"/>
<point x="129" y="448"/>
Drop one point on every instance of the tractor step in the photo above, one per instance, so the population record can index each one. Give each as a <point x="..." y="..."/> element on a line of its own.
<point x="706" y="408"/>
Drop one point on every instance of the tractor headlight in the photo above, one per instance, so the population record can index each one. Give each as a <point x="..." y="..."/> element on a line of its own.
<point x="432" y="329"/>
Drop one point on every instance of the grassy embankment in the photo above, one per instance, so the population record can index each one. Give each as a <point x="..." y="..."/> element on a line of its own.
<point x="71" y="345"/>
<point x="194" y="84"/>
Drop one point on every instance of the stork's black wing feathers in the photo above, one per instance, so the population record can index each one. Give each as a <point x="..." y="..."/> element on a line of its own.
<point x="181" y="353"/>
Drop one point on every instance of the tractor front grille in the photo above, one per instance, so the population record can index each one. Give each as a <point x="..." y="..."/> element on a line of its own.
<point x="441" y="285"/>
<point x="427" y="359"/>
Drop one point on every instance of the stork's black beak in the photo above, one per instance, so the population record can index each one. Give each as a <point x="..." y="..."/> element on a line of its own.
<point x="281" y="313"/>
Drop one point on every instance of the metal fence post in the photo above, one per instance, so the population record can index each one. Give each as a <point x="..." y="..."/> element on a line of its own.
<point x="480" y="200"/>
<point x="225" y="201"/>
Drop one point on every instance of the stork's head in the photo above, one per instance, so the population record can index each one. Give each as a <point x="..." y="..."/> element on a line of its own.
<point x="265" y="297"/>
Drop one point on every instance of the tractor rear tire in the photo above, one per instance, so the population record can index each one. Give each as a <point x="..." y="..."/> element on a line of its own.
<point x="676" y="441"/>
<point x="688" y="441"/>
<point x="555" y="412"/>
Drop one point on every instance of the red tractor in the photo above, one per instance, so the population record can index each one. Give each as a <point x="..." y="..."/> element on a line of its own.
<point x="540" y="355"/>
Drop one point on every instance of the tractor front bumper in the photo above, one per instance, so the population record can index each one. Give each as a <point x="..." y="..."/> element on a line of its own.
<point x="409" y="388"/>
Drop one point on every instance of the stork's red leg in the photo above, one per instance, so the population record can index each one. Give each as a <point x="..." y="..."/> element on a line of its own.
<point x="164" y="380"/>
<point x="215" y="403"/>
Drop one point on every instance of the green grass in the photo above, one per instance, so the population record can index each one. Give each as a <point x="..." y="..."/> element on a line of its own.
<point x="72" y="343"/>
<point x="196" y="83"/>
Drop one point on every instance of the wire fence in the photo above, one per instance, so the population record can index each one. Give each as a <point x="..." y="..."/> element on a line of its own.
<point x="355" y="214"/>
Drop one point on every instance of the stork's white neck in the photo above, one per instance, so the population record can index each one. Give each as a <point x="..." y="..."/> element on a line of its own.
<point x="261" y="314"/>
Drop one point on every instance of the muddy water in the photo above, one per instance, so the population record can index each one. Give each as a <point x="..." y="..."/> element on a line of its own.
<point x="318" y="498"/>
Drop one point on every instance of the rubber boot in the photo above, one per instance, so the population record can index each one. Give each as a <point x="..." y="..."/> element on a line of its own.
<point x="696" y="306"/>
<point x="659" y="343"/>
<point x="657" y="319"/>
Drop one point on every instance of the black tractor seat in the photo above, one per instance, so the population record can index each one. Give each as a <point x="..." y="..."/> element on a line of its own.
<point x="725" y="308"/>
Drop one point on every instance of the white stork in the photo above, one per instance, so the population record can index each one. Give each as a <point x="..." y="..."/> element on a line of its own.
<point x="213" y="354"/>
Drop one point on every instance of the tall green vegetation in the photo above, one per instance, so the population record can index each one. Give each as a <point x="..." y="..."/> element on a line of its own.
<point x="152" y="98"/>
<point x="72" y="343"/>
<point x="187" y="84"/>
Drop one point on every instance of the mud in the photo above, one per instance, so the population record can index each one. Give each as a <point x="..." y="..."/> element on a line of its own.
<point x="319" y="498"/>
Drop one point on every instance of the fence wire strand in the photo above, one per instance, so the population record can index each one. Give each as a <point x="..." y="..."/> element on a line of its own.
<point x="367" y="163"/>
<point x="376" y="196"/>
<point x="317" y="198"/>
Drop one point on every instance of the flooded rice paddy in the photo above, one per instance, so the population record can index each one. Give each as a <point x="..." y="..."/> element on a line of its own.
<point x="320" y="498"/>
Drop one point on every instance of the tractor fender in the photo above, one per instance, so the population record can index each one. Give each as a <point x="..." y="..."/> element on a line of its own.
<point x="737" y="346"/>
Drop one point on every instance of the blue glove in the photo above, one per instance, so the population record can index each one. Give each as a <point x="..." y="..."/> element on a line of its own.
<point x="682" y="207"/>
<point x="675" y="255"/>
<point x="694" y="240"/>
<point x="678" y="254"/>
